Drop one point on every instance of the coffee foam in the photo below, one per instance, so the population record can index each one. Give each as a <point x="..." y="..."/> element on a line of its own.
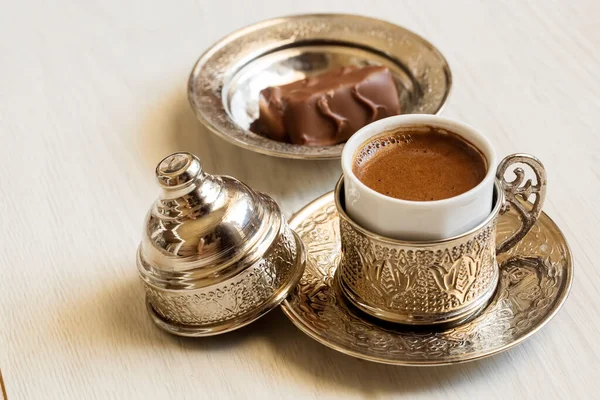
<point x="396" y="136"/>
<point x="426" y="171"/>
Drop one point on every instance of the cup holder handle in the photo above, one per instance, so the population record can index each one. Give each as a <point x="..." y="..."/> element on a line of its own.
<point x="517" y="193"/>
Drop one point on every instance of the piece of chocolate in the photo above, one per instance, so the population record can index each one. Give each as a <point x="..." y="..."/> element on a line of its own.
<point x="327" y="109"/>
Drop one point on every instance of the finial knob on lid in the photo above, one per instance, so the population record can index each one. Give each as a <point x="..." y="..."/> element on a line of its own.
<point x="177" y="170"/>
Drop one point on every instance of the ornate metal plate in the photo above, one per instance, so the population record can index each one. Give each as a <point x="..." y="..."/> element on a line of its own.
<point x="225" y="83"/>
<point x="535" y="278"/>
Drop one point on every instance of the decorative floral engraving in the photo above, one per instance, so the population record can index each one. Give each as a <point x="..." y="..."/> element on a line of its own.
<point x="459" y="278"/>
<point x="251" y="288"/>
<point x="534" y="281"/>
<point x="389" y="282"/>
<point x="323" y="236"/>
<point x="409" y="279"/>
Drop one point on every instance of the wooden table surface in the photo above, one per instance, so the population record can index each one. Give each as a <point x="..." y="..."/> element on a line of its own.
<point x="92" y="96"/>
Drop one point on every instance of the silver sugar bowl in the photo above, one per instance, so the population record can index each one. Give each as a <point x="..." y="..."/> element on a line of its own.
<point x="215" y="255"/>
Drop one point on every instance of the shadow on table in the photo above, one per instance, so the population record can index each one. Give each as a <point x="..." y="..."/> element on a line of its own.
<point x="172" y="127"/>
<point x="328" y="367"/>
<point x="116" y="315"/>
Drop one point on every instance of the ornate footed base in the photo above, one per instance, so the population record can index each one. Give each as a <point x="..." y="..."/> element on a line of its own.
<point x="227" y="325"/>
<point x="442" y="326"/>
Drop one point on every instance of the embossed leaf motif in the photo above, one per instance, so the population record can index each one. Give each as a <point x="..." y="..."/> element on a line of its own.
<point x="389" y="281"/>
<point x="458" y="279"/>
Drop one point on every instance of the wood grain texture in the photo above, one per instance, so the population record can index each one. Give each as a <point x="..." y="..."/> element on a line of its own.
<point x="92" y="95"/>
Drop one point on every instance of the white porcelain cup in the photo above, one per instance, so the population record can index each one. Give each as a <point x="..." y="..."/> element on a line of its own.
<point x="417" y="220"/>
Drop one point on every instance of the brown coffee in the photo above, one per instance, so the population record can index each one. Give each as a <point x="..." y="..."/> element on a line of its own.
<point x="420" y="164"/>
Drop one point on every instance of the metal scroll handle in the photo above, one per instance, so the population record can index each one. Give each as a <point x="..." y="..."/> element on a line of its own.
<point x="517" y="193"/>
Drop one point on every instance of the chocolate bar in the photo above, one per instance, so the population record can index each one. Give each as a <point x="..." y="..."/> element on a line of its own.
<point x="327" y="109"/>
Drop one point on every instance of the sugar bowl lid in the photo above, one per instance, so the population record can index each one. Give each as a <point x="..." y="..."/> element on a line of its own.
<point x="214" y="253"/>
<point x="202" y="222"/>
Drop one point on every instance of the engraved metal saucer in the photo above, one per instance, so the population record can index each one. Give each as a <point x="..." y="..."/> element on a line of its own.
<point x="225" y="83"/>
<point x="535" y="278"/>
